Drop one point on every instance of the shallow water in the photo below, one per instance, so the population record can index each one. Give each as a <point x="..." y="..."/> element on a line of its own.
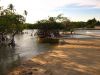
<point x="85" y="34"/>
<point x="26" y="47"/>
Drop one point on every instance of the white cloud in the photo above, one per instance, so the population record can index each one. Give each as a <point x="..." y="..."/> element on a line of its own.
<point x="42" y="8"/>
<point x="93" y="3"/>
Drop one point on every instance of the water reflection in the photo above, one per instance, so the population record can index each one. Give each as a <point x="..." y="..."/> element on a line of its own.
<point x="26" y="47"/>
<point x="97" y="32"/>
<point x="88" y="34"/>
<point x="8" y="59"/>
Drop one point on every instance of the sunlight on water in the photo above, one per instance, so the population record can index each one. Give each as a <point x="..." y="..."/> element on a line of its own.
<point x="26" y="47"/>
<point x="88" y="32"/>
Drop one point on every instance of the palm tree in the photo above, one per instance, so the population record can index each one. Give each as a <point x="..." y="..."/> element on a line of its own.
<point x="25" y="12"/>
<point x="11" y="8"/>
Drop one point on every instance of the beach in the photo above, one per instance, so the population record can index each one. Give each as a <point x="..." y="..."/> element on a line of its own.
<point x="71" y="57"/>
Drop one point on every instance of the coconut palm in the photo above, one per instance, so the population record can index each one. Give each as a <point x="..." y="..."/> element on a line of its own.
<point x="25" y="12"/>
<point x="11" y="7"/>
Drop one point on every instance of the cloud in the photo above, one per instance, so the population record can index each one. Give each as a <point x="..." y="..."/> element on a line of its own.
<point x="49" y="4"/>
<point x="91" y="3"/>
<point x="43" y="8"/>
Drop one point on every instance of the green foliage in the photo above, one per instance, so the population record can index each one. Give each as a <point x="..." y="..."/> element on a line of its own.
<point x="91" y="23"/>
<point x="98" y="23"/>
<point x="28" y="26"/>
<point x="48" y="26"/>
<point x="10" y="21"/>
<point x="52" y="23"/>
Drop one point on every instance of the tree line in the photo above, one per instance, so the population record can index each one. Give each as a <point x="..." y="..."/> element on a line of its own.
<point x="63" y="23"/>
<point x="13" y="23"/>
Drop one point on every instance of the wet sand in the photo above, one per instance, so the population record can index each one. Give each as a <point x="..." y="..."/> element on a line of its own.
<point x="73" y="57"/>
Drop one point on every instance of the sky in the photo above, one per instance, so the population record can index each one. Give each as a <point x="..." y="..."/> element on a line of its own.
<point x="75" y="10"/>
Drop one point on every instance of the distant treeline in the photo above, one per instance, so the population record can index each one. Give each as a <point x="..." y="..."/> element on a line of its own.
<point x="11" y="22"/>
<point x="62" y="23"/>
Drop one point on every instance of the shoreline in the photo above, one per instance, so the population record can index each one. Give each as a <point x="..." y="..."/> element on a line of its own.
<point x="74" y="57"/>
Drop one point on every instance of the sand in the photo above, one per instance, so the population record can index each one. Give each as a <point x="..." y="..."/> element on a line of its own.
<point x="73" y="57"/>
